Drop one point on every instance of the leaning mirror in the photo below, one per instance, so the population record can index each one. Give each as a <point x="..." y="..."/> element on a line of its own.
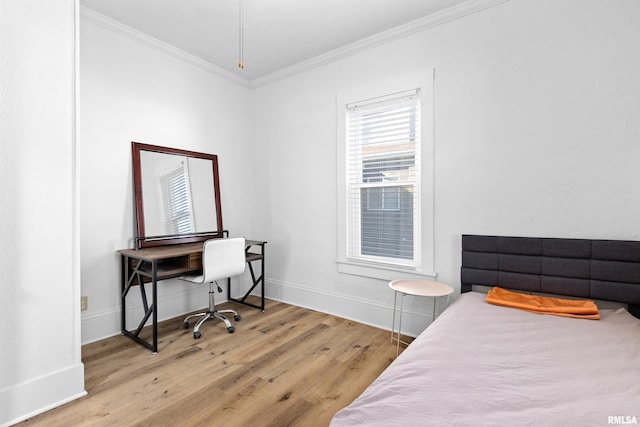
<point x="177" y="195"/>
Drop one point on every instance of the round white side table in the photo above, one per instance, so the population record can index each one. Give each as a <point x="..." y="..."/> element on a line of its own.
<point x="421" y="288"/>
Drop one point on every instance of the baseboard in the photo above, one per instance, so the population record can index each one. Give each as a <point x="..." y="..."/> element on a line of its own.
<point x="38" y="395"/>
<point x="103" y="324"/>
<point x="358" y="309"/>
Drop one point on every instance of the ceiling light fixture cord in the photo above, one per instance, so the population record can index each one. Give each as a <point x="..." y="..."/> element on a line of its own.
<point x="241" y="36"/>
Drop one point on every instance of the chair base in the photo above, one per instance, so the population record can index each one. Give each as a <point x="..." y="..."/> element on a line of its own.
<point x="211" y="313"/>
<point x="206" y="315"/>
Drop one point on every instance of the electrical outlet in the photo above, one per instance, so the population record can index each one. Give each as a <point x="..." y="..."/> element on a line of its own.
<point x="84" y="303"/>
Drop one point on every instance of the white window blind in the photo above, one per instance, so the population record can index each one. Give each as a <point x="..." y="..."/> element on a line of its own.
<point x="383" y="179"/>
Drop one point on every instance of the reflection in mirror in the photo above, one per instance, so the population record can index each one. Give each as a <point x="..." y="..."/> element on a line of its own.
<point x="177" y="195"/>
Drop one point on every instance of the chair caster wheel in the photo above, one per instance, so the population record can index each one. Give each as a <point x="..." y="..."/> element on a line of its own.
<point x="231" y="329"/>
<point x="197" y="335"/>
<point x="185" y="325"/>
<point x="236" y="317"/>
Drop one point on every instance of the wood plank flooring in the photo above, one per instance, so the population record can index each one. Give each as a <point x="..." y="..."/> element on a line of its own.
<point x="287" y="366"/>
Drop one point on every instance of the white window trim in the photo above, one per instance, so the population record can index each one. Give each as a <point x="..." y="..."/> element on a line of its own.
<point x="426" y="265"/>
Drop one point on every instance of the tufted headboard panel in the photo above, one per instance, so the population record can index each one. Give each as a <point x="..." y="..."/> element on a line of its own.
<point x="597" y="269"/>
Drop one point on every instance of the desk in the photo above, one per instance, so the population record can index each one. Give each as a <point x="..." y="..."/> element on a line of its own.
<point x="422" y="288"/>
<point x="140" y="266"/>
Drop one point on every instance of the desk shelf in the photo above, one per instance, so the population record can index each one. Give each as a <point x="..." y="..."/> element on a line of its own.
<point x="166" y="268"/>
<point x="253" y="256"/>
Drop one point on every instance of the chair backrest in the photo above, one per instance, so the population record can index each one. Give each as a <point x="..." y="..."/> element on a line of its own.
<point x="222" y="258"/>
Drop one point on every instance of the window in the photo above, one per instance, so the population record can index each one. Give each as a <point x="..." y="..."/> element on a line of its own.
<point x="383" y="179"/>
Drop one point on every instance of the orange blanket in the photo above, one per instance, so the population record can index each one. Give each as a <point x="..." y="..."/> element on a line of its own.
<point x="581" y="309"/>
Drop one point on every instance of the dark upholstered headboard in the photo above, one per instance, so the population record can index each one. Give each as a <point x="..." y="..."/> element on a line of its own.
<point x="597" y="269"/>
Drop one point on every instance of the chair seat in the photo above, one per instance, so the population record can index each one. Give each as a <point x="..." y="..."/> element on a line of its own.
<point x="193" y="278"/>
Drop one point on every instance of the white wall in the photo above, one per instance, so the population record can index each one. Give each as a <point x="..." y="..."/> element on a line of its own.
<point x="536" y="134"/>
<point x="132" y="91"/>
<point x="40" y="364"/>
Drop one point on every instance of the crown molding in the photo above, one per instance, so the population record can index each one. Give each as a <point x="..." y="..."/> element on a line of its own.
<point x="117" y="27"/>
<point x="456" y="12"/>
<point x="464" y="9"/>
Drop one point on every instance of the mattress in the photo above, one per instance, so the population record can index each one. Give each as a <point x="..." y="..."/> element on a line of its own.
<point x="485" y="365"/>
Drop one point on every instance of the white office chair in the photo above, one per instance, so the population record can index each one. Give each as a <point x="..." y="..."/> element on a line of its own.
<point x="221" y="259"/>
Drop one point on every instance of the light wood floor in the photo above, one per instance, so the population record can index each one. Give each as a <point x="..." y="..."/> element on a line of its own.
<point x="287" y="366"/>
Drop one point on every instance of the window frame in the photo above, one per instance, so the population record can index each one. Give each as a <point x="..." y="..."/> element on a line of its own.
<point x="424" y="261"/>
<point x="371" y="150"/>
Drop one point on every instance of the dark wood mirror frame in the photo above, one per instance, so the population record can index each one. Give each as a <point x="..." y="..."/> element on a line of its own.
<point x="144" y="241"/>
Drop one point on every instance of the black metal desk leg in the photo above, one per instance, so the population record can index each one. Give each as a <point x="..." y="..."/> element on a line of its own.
<point x="262" y="278"/>
<point x="124" y="278"/>
<point x="154" y="280"/>
<point x="133" y="276"/>
<point x="254" y="281"/>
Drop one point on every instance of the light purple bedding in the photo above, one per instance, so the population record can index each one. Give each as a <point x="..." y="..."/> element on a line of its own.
<point x="484" y="365"/>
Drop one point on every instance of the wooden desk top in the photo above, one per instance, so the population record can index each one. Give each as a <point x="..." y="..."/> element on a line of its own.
<point x="172" y="251"/>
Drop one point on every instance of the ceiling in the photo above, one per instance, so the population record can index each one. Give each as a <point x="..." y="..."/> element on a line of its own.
<point x="277" y="33"/>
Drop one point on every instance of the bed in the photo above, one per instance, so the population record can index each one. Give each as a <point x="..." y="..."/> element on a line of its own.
<point x="481" y="364"/>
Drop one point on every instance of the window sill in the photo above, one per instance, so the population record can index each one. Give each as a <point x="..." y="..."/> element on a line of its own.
<point x="382" y="272"/>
